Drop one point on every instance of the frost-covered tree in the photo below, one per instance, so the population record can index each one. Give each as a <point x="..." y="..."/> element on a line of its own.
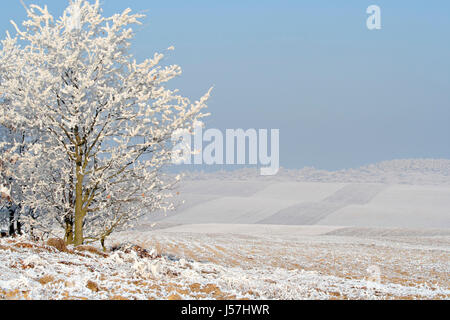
<point x="11" y="147"/>
<point x="102" y="121"/>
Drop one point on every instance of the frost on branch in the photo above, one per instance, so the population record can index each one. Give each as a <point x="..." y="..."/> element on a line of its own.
<point x="98" y="123"/>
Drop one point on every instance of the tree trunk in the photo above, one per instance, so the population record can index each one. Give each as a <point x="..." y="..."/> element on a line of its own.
<point x="69" y="230"/>
<point x="19" y="227"/>
<point x="79" y="214"/>
<point x="102" y="242"/>
<point x="12" y="230"/>
<point x="79" y="210"/>
<point x="18" y="224"/>
<point x="79" y="239"/>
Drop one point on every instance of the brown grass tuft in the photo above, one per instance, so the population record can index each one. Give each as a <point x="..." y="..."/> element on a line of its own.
<point x="91" y="250"/>
<point x="59" y="244"/>
<point x="211" y="289"/>
<point x="24" y="245"/>
<point x="91" y="285"/>
<point x="174" y="297"/>
<point x="46" y="279"/>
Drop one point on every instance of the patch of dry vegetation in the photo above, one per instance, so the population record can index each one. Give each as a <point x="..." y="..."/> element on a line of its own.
<point x="398" y="265"/>
<point x="131" y="272"/>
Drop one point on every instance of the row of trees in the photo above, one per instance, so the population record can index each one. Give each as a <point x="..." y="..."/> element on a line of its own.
<point x="86" y="130"/>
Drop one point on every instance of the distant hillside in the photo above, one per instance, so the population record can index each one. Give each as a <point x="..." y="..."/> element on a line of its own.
<point x="409" y="171"/>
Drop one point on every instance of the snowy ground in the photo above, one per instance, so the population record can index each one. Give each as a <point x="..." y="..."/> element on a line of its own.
<point x="311" y="203"/>
<point x="279" y="262"/>
<point x="305" y="264"/>
<point x="380" y="232"/>
<point x="396" y="194"/>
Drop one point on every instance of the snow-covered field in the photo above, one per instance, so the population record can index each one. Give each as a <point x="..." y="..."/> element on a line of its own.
<point x="380" y="232"/>
<point x="320" y="263"/>
<point x="396" y="194"/>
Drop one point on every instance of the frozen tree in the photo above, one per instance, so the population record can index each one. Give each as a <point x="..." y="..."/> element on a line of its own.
<point x="102" y="121"/>
<point x="11" y="148"/>
<point x="7" y="209"/>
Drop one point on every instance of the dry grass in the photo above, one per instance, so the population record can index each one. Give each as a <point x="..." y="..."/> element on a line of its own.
<point x="406" y="266"/>
<point x="91" y="285"/>
<point x="46" y="280"/>
<point x="410" y="267"/>
<point x="58" y="244"/>
<point x="91" y="250"/>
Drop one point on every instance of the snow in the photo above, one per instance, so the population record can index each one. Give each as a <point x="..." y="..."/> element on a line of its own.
<point x="299" y="191"/>
<point x="4" y="191"/>
<point x="313" y="262"/>
<point x="237" y="210"/>
<point x="252" y="229"/>
<point x="260" y="238"/>
<point x="90" y="117"/>
<point x="403" y="171"/>
<point x="311" y="203"/>
<point x="230" y="268"/>
<point x="395" y="194"/>
<point x="399" y="206"/>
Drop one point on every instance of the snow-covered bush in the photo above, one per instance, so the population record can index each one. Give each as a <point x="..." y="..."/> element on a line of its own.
<point x="100" y="123"/>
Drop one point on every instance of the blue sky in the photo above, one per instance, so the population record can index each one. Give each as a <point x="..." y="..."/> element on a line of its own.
<point x="341" y="95"/>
